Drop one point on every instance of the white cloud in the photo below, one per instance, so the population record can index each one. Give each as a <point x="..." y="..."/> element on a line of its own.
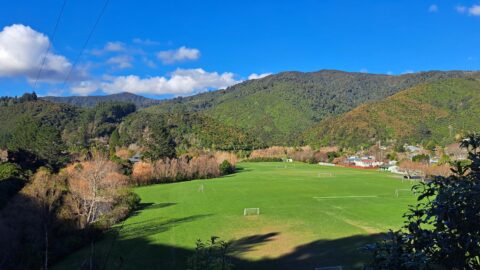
<point x="461" y="9"/>
<point x="121" y="61"/>
<point x="112" y="46"/>
<point x="146" y="42"/>
<point x="22" y="50"/>
<point x="474" y="10"/>
<point x="255" y="76"/>
<point x="181" y="82"/>
<point x="116" y="46"/>
<point x="149" y="62"/>
<point x="363" y="70"/>
<point x="84" y="88"/>
<point x="178" y="55"/>
<point x="409" y="71"/>
<point x="433" y="8"/>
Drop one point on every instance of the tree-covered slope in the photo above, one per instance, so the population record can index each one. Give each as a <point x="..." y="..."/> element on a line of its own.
<point x="188" y="130"/>
<point x="427" y="112"/>
<point x="92" y="101"/>
<point x="276" y="109"/>
<point x="43" y="112"/>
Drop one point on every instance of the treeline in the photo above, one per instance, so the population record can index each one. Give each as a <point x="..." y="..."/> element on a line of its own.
<point x="9" y="101"/>
<point x="56" y="213"/>
<point x="303" y="154"/>
<point x="203" y="166"/>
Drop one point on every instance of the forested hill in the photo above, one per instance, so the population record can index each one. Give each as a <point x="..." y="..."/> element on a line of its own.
<point x="277" y="108"/>
<point x="431" y="113"/>
<point x="92" y="101"/>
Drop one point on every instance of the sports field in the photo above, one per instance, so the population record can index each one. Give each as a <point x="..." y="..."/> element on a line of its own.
<point x="310" y="216"/>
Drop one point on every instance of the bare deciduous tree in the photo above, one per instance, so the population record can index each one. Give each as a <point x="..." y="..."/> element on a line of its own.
<point x="94" y="186"/>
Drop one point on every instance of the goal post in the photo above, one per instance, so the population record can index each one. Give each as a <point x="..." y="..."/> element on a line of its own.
<point x="324" y="174"/>
<point x="251" y="211"/>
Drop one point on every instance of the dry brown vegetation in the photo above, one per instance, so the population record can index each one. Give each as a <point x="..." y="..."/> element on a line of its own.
<point x="94" y="186"/>
<point x="303" y="154"/>
<point x="181" y="169"/>
<point x="424" y="170"/>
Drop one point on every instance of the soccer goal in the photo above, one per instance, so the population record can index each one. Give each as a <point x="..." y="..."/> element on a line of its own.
<point x="251" y="211"/>
<point x="324" y="174"/>
<point x="404" y="192"/>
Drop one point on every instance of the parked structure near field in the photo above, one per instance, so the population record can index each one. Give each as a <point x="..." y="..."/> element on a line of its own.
<point x="363" y="162"/>
<point x="136" y="158"/>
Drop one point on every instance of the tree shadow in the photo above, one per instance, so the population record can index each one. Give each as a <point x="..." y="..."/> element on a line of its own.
<point x="141" y="253"/>
<point x="8" y="188"/>
<point x="143" y="206"/>
<point x="345" y="252"/>
<point x="242" y="169"/>
<point x="249" y="243"/>
<point x="147" y="206"/>
<point x="154" y="226"/>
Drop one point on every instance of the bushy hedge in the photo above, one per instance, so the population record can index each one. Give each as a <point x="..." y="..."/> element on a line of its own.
<point x="264" y="159"/>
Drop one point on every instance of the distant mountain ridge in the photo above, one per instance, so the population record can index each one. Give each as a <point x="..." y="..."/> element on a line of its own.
<point x="278" y="108"/>
<point x="281" y="109"/>
<point x="91" y="101"/>
<point x="430" y="113"/>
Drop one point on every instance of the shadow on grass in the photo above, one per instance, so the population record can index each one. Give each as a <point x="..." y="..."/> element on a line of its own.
<point x="155" y="226"/>
<point x="140" y="253"/>
<point x="249" y="243"/>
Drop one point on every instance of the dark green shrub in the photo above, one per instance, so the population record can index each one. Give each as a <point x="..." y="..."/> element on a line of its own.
<point x="211" y="255"/>
<point x="226" y="168"/>
<point x="421" y="158"/>
<point x="9" y="170"/>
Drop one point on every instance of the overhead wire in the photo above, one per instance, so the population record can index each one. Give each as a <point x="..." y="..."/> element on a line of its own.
<point x="85" y="44"/>
<point x="57" y="22"/>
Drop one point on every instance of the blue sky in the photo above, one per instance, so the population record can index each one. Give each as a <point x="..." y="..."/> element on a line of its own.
<point x="176" y="48"/>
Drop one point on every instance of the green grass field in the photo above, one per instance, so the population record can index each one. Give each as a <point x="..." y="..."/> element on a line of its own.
<point x="311" y="216"/>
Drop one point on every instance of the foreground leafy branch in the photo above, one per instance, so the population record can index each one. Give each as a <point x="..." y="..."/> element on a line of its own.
<point x="442" y="230"/>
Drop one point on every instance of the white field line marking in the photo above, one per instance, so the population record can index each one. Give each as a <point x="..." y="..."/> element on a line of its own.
<point x="346" y="197"/>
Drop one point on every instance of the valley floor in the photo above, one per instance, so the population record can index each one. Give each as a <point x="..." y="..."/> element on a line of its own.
<point x="310" y="216"/>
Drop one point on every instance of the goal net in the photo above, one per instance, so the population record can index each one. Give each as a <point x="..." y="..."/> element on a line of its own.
<point x="251" y="211"/>
<point x="404" y="192"/>
<point x="324" y="174"/>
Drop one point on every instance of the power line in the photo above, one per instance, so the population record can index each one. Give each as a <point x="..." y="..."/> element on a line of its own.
<point x="102" y="11"/>
<point x="50" y="44"/>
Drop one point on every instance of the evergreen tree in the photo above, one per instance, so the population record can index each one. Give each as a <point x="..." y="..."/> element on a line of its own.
<point x="42" y="140"/>
<point x="159" y="142"/>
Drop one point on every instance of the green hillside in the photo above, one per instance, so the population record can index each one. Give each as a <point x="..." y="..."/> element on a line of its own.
<point x="427" y="112"/>
<point x="276" y="109"/>
<point x="46" y="113"/>
<point x="92" y="101"/>
<point x="188" y="130"/>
